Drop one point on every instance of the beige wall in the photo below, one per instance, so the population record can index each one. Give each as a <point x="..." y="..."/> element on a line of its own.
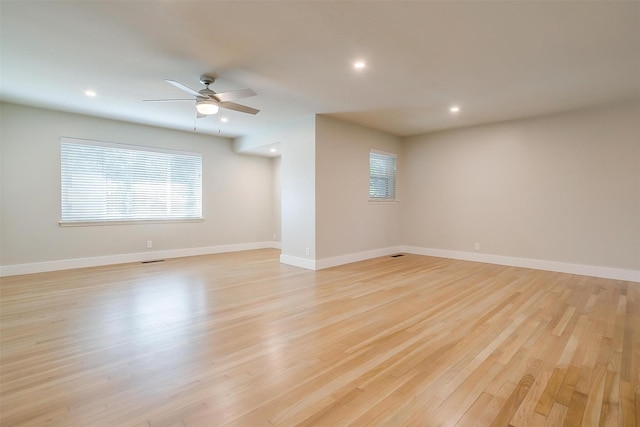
<point x="346" y="222"/>
<point x="237" y="198"/>
<point x="564" y="188"/>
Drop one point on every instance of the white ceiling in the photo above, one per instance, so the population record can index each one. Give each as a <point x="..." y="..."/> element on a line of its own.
<point x="498" y="60"/>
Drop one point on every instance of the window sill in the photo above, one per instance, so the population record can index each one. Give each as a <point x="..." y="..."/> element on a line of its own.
<point x="383" y="202"/>
<point x="129" y="222"/>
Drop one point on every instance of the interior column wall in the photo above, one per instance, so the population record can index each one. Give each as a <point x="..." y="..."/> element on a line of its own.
<point x="346" y="221"/>
<point x="297" y="177"/>
<point x="276" y="164"/>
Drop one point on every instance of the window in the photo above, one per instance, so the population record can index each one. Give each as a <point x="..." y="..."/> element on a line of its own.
<point x="106" y="182"/>
<point x="382" y="175"/>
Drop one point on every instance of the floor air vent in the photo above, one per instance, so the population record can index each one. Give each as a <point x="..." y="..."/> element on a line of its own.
<point x="397" y="255"/>
<point x="149" y="262"/>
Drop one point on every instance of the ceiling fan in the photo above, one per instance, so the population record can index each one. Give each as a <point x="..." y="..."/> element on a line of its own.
<point x="207" y="101"/>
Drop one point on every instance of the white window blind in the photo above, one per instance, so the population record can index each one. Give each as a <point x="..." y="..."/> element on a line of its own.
<point x="382" y="175"/>
<point x="106" y="182"/>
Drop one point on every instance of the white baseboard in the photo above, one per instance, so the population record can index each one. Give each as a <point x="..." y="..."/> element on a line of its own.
<point x="536" y="264"/>
<point x="561" y="267"/>
<point x="310" y="264"/>
<point x="319" y="264"/>
<point x="66" y="264"/>
<point x="307" y="263"/>
<point x="355" y="257"/>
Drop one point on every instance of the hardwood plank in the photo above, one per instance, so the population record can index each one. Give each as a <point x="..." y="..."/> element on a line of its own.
<point x="595" y="397"/>
<point x="575" y="410"/>
<point x="474" y="412"/>
<point x="568" y="386"/>
<point x="513" y="402"/>
<point x="548" y="396"/>
<point x="239" y="339"/>
<point x="627" y="404"/>
<point x="557" y="415"/>
<point x="609" y="409"/>
<point x="526" y="411"/>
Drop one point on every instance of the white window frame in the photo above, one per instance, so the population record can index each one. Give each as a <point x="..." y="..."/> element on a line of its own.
<point x="154" y="188"/>
<point x="393" y="177"/>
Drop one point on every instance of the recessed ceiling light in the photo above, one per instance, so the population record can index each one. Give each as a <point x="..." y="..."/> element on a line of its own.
<point x="224" y="119"/>
<point x="359" y="65"/>
<point x="90" y="93"/>
<point x="273" y="150"/>
<point x="454" y="109"/>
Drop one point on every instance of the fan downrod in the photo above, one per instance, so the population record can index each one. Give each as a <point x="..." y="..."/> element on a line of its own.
<point x="207" y="79"/>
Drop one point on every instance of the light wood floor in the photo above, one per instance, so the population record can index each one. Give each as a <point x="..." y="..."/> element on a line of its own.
<point x="239" y="339"/>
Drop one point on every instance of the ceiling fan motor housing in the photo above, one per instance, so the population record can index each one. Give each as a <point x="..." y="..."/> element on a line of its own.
<point x="206" y="93"/>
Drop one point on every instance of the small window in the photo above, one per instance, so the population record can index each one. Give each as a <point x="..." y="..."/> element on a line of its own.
<point x="106" y="182"/>
<point x="382" y="175"/>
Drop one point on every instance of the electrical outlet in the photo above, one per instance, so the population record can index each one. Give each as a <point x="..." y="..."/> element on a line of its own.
<point x="149" y="244"/>
<point x="307" y="251"/>
<point x="274" y="236"/>
<point x="477" y="246"/>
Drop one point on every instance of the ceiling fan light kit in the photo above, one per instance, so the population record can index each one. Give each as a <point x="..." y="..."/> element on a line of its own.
<point x="206" y="107"/>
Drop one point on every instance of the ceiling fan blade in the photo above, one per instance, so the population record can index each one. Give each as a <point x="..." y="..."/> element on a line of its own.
<point x="167" y="100"/>
<point x="234" y="94"/>
<point x="183" y="87"/>
<point x="238" y="107"/>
